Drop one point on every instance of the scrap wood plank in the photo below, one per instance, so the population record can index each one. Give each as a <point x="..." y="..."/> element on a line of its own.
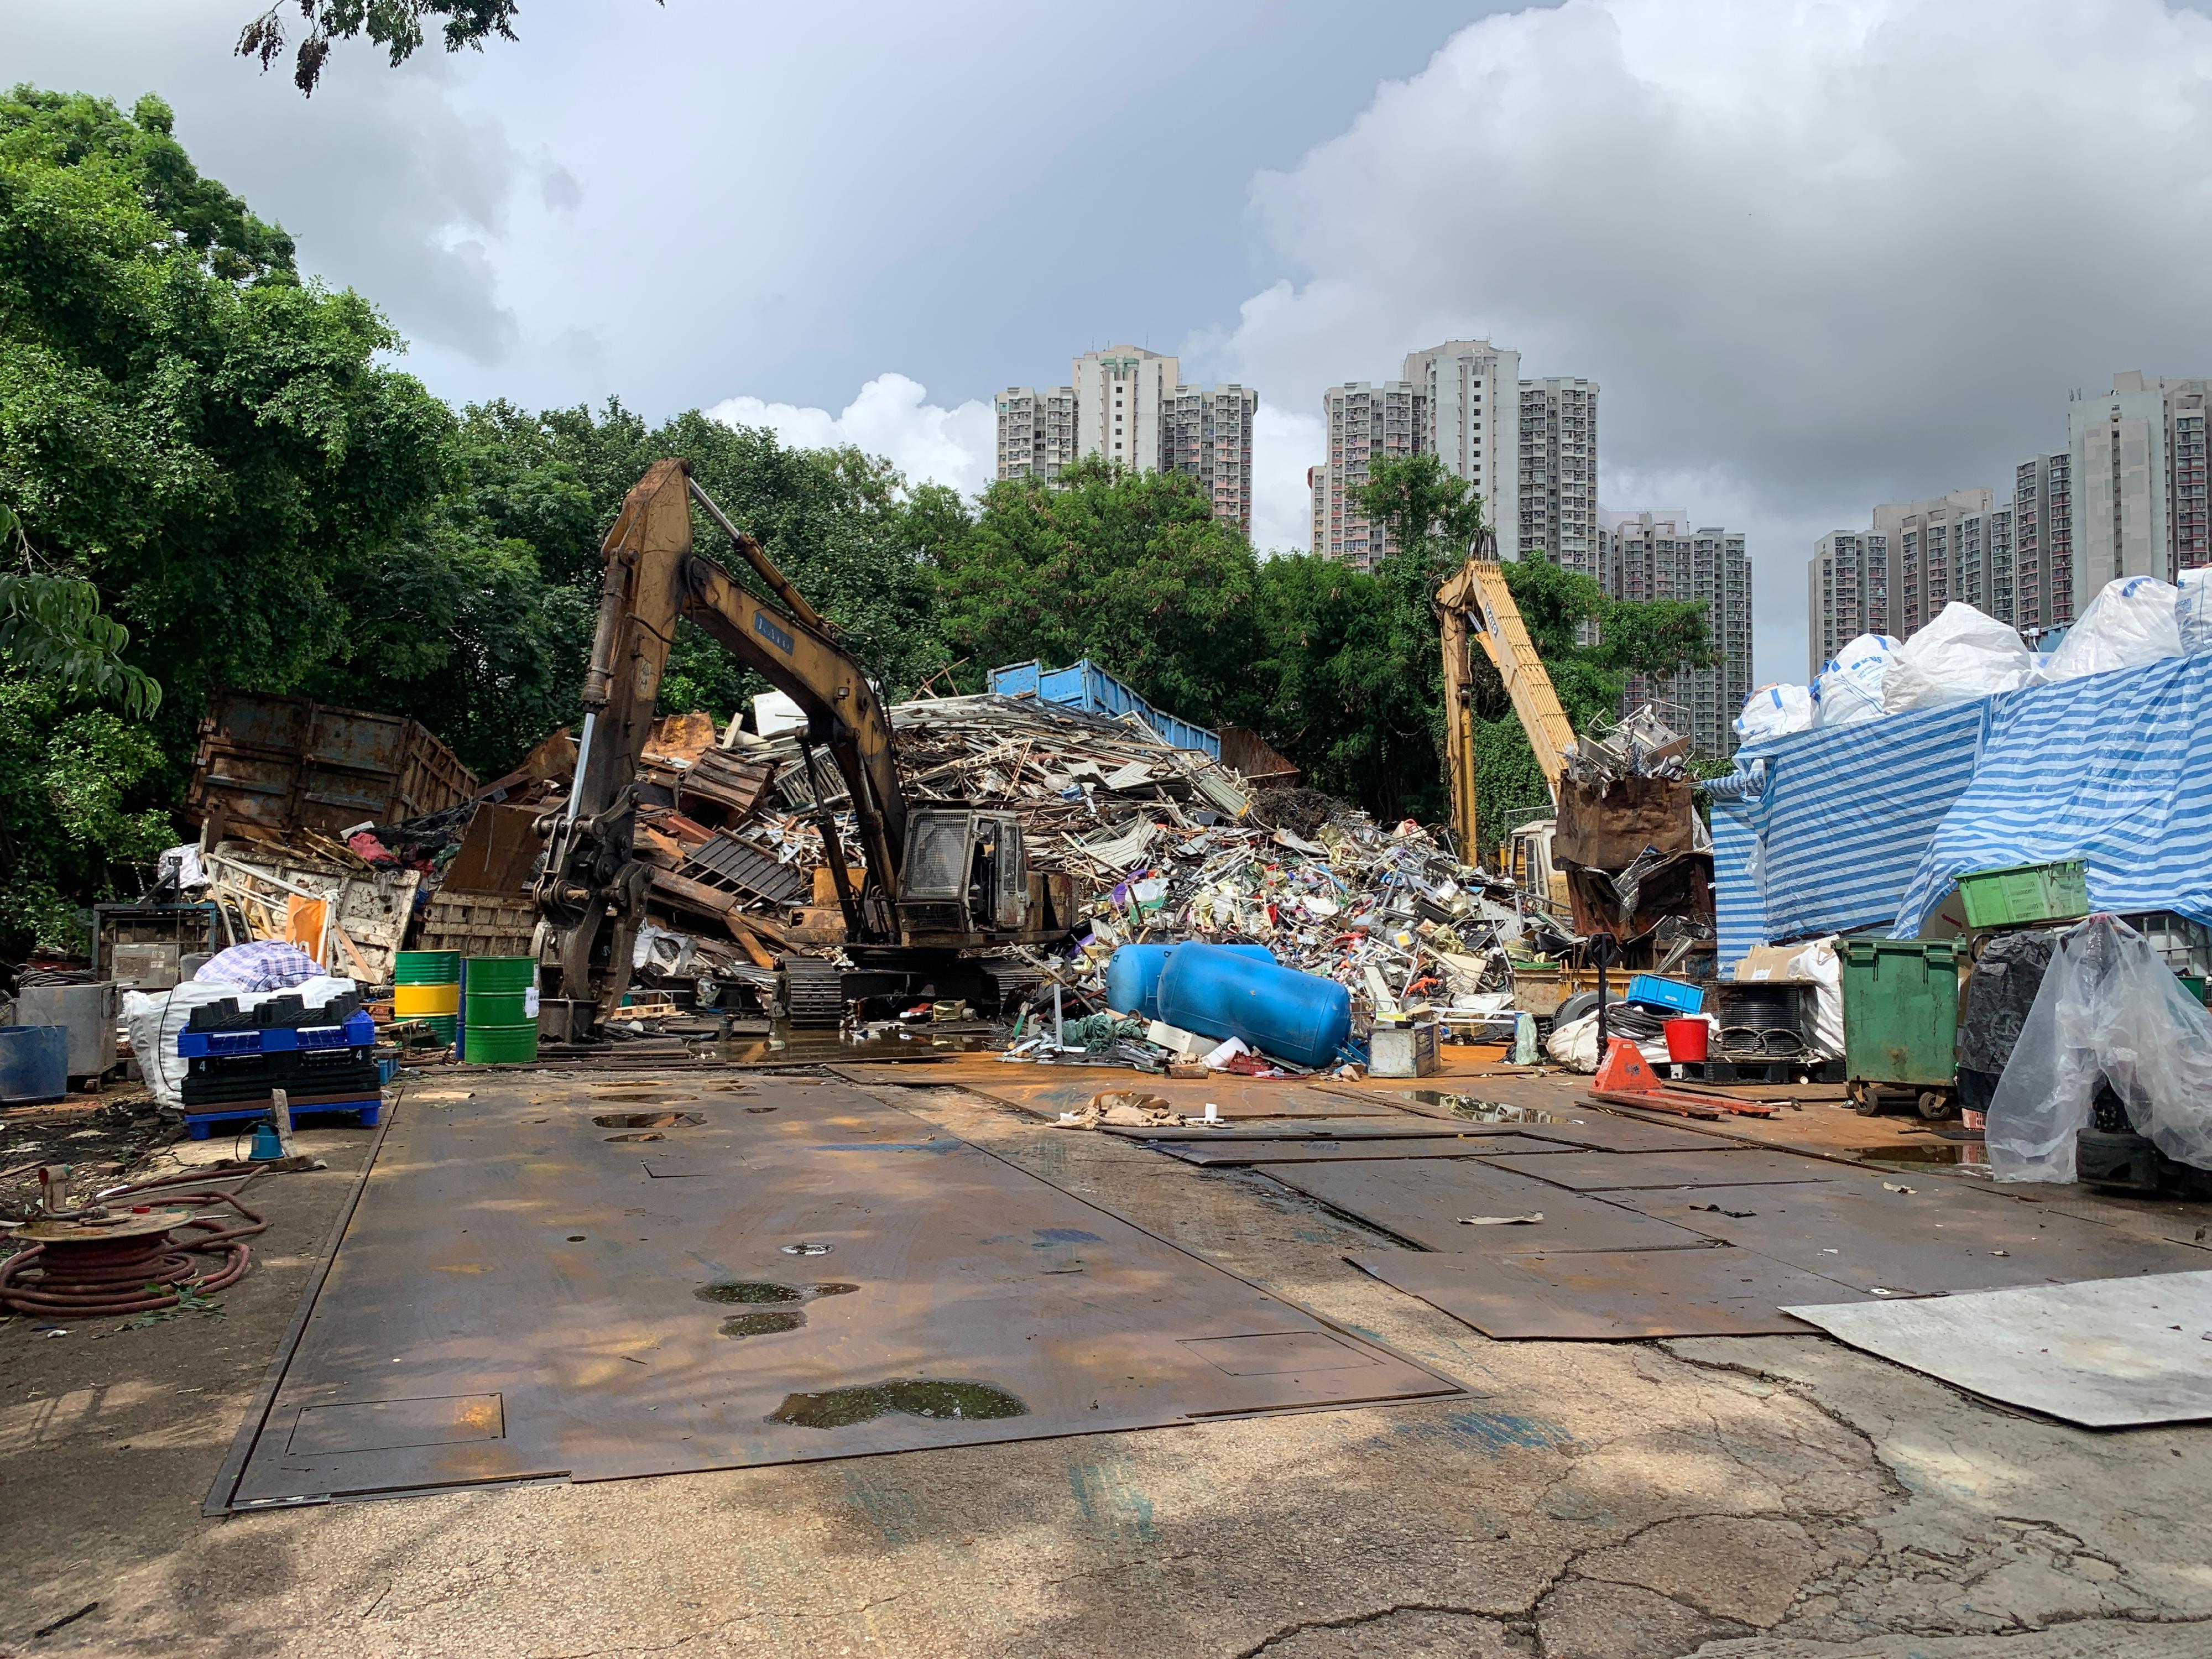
<point x="1607" y="1296"/>
<point x="1660" y="1100"/>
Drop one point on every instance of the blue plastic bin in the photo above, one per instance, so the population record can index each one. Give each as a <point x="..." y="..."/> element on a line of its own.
<point x="1671" y="995"/>
<point x="33" y="1063"/>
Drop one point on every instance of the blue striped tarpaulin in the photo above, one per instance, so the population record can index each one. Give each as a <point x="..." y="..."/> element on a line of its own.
<point x="1739" y="913"/>
<point x="1845" y="813"/>
<point x="2115" y="769"/>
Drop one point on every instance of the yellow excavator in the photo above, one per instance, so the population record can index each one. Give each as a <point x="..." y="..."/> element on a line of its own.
<point x="941" y="882"/>
<point x="1477" y="593"/>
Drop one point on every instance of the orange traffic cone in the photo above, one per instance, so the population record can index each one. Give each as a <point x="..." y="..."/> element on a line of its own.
<point x="1623" y="1070"/>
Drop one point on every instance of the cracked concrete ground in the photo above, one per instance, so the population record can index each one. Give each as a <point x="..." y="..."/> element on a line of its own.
<point x="1778" y="1498"/>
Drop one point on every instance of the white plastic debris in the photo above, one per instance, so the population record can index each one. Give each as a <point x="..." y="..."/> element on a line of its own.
<point x="1961" y="655"/>
<point x="2192" y="609"/>
<point x="1849" y="690"/>
<point x="2109" y="1008"/>
<point x="2131" y="623"/>
<point x="1775" y="711"/>
<point x="152" y="1020"/>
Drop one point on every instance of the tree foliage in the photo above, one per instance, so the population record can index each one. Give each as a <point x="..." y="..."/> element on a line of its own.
<point x="395" y="25"/>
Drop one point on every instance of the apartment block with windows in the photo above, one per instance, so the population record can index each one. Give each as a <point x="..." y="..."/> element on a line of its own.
<point x="2137" y="459"/>
<point x="1470" y="391"/>
<point x="2043" y="542"/>
<point x="1366" y="423"/>
<point x="1129" y="406"/>
<point x="1846" y="592"/>
<point x="1922" y="536"/>
<point x="1661" y="555"/>
<point x="1558" y="474"/>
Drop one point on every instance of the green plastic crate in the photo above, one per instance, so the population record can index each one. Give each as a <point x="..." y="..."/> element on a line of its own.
<point x="2027" y="892"/>
<point x="1901" y="1010"/>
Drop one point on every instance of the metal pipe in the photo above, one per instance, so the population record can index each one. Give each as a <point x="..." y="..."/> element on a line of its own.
<point x="1059" y="1021"/>
<point x="760" y="562"/>
<point x="583" y="757"/>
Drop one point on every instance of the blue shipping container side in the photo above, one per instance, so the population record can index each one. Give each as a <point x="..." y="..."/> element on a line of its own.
<point x="1216" y="992"/>
<point x="1082" y="685"/>
<point x="1132" y="975"/>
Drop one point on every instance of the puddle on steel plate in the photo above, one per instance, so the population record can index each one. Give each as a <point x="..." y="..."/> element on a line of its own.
<point x="839" y="1408"/>
<point x="1471" y="1111"/>
<point x="748" y="1290"/>
<point x="1924" y="1153"/>
<point x="766" y="1322"/>
<point x="641" y="1134"/>
<point x="649" y="1120"/>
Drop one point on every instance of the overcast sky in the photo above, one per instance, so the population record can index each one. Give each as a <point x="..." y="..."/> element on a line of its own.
<point x="1818" y="254"/>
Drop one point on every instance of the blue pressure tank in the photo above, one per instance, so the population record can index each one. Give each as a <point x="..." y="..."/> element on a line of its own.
<point x="1217" y="991"/>
<point x="1132" y="975"/>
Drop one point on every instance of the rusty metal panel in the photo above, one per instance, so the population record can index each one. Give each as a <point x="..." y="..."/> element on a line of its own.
<point x="1609" y="1296"/>
<point x="1247" y="1151"/>
<point x="287" y="763"/>
<point x="1603" y="1172"/>
<point x="734" y="865"/>
<point x="1423" y="1200"/>
<point x="516" y="1296"/>
<point x="1940" y="1236"/>
<point x="499" y="853"/>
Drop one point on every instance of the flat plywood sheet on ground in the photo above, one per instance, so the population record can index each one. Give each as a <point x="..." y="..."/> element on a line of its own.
<point x="1922" y="1235"/>
<point x="526" y="1288"/>
<point x="1427" y="1201"/>
<point x="2108" y="1353"/>
<point x="1606" y="1296"/>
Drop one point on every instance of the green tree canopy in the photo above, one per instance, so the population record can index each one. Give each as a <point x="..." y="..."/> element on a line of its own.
<point x="395" y="25"/>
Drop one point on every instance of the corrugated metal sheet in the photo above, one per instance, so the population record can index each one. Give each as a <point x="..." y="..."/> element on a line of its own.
<point x="1084" y="684"/>
<point x="287" y="763"/>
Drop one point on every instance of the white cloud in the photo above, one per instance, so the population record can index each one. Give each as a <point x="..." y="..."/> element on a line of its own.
<point x="1284" y="446"/>
<point x="927" y="443"/>
<point x="1819" y="253"/>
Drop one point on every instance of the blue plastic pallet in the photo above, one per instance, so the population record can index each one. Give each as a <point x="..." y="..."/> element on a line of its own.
<point x="359" y="1031"/>
<point x="201" y="1124"/>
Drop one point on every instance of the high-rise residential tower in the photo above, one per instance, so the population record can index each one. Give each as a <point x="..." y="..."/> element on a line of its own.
<point x="1366" y="423"/>
<point x="2043" y="541"/>
<point x="1659" y="555"/>
<point x="1922" y="536"/>
<point x="1558" y="474"/>
<point x="2138" y="480"/>
<point x="1846" y="592"/>
<point x="1470" y="395"/>
<point x="1129" y="406"/>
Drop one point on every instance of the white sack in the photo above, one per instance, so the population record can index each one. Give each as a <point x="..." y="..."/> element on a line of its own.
<point x="1774" y="711"/>
<point x="2108" y="1006"/>
<point x="1961" y="655"/>
<point x="1850" y="688"/>
<point x="1574" y="1045"/>
<point x="1819" y="963"/>
<point x="151" y="1019"/>
<point x="2192" y="608"/>
<point x="2128" y="624"/>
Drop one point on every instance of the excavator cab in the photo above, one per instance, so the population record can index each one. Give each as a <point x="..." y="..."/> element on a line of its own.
<point x="964" y="876"/>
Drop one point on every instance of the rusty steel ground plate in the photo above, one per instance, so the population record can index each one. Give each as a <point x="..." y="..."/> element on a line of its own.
<point x="523" y="1292"/>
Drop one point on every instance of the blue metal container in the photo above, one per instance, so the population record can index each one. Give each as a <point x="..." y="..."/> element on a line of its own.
<point x="1218" y="991"/>
<point x="1676" y="996"/>
<point x="1132" y="975"/>
<point x="1084" y="684"/>
<point x="33" y="1063"/>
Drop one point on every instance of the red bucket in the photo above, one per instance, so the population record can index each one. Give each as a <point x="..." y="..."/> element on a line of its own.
<point x="1685" y="1039"/>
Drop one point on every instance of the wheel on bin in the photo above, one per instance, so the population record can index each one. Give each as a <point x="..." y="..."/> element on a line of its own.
<point x="1866" y="1099"/>
<point x="1934" y="1104"/>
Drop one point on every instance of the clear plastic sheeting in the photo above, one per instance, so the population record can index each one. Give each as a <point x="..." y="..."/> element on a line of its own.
<point x="1850" y="687"/>
<point x="1775" y="711"/>
<point x="1962" y="654"/>
<point x="2109" y="1009"/>
<point x="2132" y="622"/>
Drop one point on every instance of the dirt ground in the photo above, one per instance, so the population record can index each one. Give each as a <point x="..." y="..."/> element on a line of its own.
<point x="1781" y="1498"/>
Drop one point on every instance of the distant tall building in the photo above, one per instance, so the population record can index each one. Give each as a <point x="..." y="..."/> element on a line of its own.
<point x="1922" y="536"/>
<point x="2138" y="478"/>
<point x="1470" y="395"/>
<point x="1658" y="556"/>
<point x="1983" y="562"/>
<point x="1846" y="592"/>
<point x="2043" y="541"/>
<point x="1129" y="406"/>
<point x="1558" y="474"/>
<point x="1366" y="423"/>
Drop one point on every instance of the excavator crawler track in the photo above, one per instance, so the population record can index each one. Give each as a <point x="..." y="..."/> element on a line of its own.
<point x="813" y="994"/>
